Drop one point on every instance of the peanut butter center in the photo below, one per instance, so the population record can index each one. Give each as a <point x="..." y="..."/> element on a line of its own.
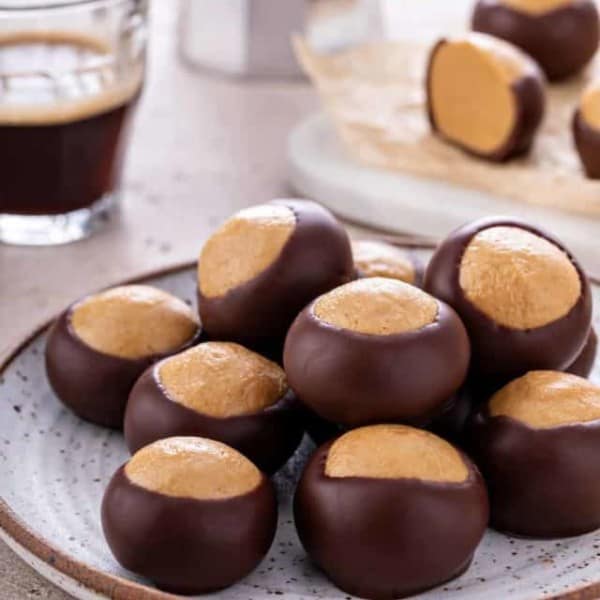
<point x="222" y="379"/>
<point x="395" y="452"/>
<point x="547" y="399"/>
<point x="537" y="7"/>
<point x="378" y="259"/>
<point x="243" y="247"/>
<point x="192" y="467"/>
<point x="377" y="306"/>
<point x="133" y="321"/>
<point x="518" y="278"/>
<point x="590" y="105"/>
<point x="471" y="93"/>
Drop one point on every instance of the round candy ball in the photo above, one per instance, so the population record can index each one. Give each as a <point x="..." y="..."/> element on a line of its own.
<point x="376" y="350"/>
<point x="222" y="391"/>
<point x="190" y="514"/>
<point x="102" y="343"/>
<point x="561" y="35"/>
<point x="484" y="96"/>
<point x="523" y="298"/>
<point x="263" y="265"/>
<point x="374" y="258"/>
<point x="537" y="443"/>
<point x="388" y="510"/>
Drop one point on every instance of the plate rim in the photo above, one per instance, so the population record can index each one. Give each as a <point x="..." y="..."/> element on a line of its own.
<point x="97" y="580"/>
<point x="114" y="586"/>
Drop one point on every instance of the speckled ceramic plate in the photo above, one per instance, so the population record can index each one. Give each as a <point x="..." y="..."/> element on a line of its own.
<point x="54" y="467"/>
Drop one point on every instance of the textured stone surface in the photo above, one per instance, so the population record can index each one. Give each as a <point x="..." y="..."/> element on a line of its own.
<point x="55" y="468"/>
<point x="20" y="582"/>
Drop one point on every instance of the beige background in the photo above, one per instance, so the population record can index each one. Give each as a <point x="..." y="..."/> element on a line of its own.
<point x="203" y="147"/>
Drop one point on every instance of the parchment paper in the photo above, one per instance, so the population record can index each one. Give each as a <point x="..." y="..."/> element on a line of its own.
<point x="376" y="98"/>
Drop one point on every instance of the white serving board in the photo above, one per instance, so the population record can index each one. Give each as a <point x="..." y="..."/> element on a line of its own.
<point x="320" y="168"/>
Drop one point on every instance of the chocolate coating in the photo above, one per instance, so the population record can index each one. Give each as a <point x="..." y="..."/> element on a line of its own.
<point x="94" y="385"/>
<point x="257" y="314"/>
<point x="526" y="469"/>
<point x="185" y="545"/>
<point x="584" y="363"/>
<point x="388" y="538"/>
<point x="268" y="438"/>
<point x="562" y="41"/>
<point x="530" y="98"/>
<point x="353" y="379"/>
<point x="318" y="429"/>
<point x="587" y="142"/>
<point x="501" y="353"/>
<point x="451" y="423"/>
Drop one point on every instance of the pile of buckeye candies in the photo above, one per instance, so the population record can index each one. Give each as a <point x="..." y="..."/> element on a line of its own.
<point x="440" y="400"/>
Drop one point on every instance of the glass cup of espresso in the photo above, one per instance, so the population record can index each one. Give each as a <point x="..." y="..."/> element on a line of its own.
<point x="71" y="73"/>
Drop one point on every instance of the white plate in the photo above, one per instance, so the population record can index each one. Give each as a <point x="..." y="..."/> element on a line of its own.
<point x="319" y="168"/>
<point x="54" y="468"/>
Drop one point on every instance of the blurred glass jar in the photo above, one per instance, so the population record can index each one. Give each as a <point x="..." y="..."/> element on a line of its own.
<point x="71" y="72"/>
<point x="252" y="37"/>
<point x="425" y="21"/>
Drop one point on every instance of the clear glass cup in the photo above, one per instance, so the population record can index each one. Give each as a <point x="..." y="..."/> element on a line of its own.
<point x="71" y="73"/>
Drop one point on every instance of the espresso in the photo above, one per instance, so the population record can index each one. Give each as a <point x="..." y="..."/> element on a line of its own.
<point x="65" y="108"/>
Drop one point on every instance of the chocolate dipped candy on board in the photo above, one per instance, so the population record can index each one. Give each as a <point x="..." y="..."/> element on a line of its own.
<point x="263" y="265"/>
<point x="485" y="96"/>
<point x="523" y="298"/>
<point x="222" y="391"/>
<point x="586" y="130"/>
<point x="388" y="510"/>
<point x="537" y="444"/>
<point x="191" y="514"/>
<point x="374" y="258"/>
<point x="376" y="350"/>
<point x="102" y="343"/>
<point x="561" y="35"/>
